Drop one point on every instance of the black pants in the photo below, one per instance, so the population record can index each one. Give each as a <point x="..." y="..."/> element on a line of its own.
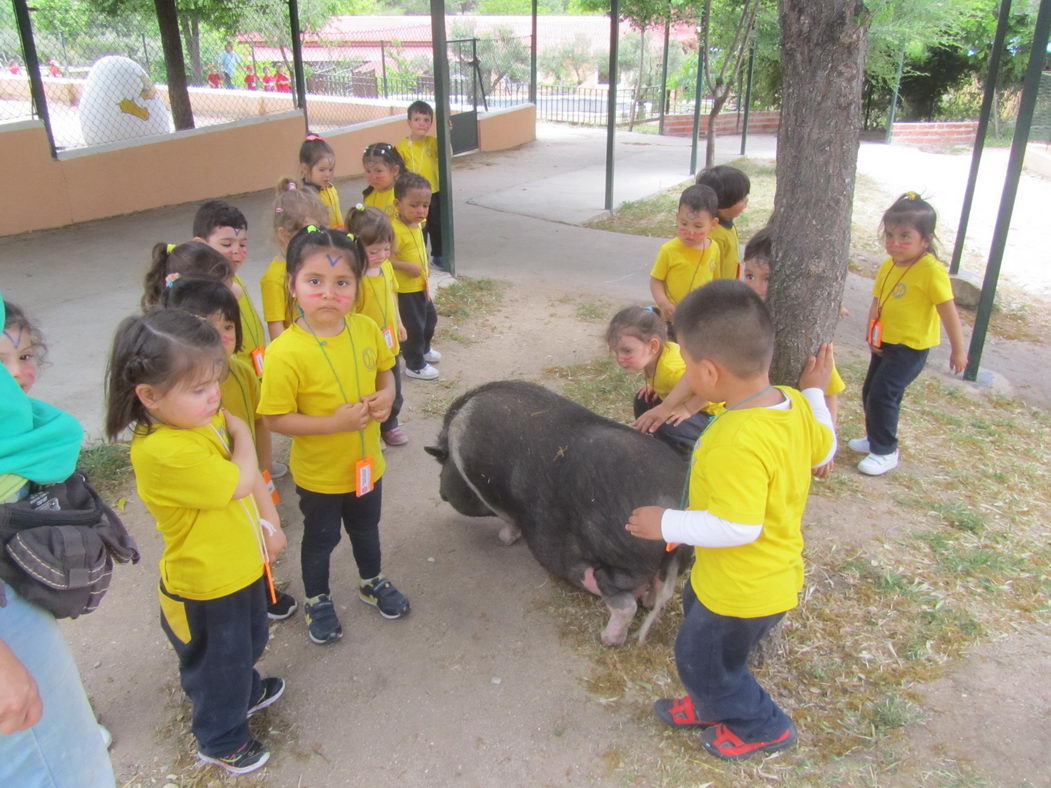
<point x="888" y="377"/>
<point x="395" y="409"/>
<point x="419" y="318"/>
<point x="433" y="227"/>
<point x="226" y="638"/>
<point x="711" y="653"/>
<point x="322" y="515"/>
<point x="680" y="437"/>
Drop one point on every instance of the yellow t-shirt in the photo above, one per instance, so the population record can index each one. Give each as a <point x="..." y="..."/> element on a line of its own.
<point x="304" y="376"/>
<point x="835" y="383"/>
<point x="252" y="335"/>
<point x="909" y="297"/>
<point x="330" y="199"/>
<point x="379" y="301"/>
<point x="277" y="302"/>
<point x="410" y="246"/>
<point x="683" y="269"/>
<point x="752" y="466"/>
<point x="421" y="157"/>
<point x="382" y="200"/>
<point x="729" y="249"/>
<point x="669" y="371"/>
<point x="187" y="481"/>
<point x="240" y="392"/>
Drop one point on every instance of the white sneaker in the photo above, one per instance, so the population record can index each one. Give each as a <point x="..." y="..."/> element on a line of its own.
<point x="878" y="464"/>
<point x="278" y="470"/>
<point x="432" y="356"/>
<point x="860" y="445"/>
<point x="427" y="373"/>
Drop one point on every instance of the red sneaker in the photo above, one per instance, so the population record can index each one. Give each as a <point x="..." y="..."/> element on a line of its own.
<point x="679" y="713"/>
<point x="723" y="743"/>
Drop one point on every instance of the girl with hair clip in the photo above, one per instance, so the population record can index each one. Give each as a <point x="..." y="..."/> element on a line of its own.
<point x="48" y="732"/>
<point x="379" y="299"/>
<point x="911" y="297"/>
<point x="170" y="261"/>
<point x="293" y="209"/>
<point x="317" y="165"/>
<point x="197" y="474"/>
<point x="239" y="389"/>
<point x="329" y="385"/>
<point x="383" y="164"/>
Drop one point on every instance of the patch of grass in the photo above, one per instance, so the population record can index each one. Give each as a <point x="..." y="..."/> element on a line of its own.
<point x="465" y="307"/>
<point x="439" y="395"/>
<point x="106" y="465"/>
<point x="599" y="385"/>
<point x="593" y="313"/>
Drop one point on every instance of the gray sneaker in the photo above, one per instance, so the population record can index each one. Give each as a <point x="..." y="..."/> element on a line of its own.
<point x="322" y="623"/>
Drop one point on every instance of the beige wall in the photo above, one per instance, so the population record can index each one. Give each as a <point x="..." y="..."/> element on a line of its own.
<point x="507" y="128"/>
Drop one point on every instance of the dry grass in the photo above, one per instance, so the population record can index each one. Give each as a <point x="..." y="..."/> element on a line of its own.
<point x="465" y="308"/>
<point x="968" y="560"/>
<point x="107" y="466"/>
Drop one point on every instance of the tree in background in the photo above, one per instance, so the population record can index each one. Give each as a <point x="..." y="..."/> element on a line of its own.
<point x="502" y="55"/>
<point x="571" y="61"/>
<point x="823" y="56"/>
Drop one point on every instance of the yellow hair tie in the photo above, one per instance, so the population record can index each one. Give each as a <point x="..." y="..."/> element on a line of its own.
<point x="171" y="248"/>
<point x="352" y="237"/>
<point x="311" y="228"/>
<point x="911" y="196"/>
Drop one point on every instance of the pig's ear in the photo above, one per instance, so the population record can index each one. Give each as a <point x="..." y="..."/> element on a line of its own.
<point x="437" y="452"/>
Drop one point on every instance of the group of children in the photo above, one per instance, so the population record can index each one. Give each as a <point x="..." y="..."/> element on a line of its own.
<point x="754" y="447"/>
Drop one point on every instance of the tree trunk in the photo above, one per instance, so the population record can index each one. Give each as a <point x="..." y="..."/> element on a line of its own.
<point x="178" y="96"/>
<point x="718" y="100"/>
<point x="822" y="59"/>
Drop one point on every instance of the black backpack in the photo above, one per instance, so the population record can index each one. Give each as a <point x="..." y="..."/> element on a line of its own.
<point x="57" y="546"/>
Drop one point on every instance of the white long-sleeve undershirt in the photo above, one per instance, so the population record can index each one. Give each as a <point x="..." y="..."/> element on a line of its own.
<point x="703" y="529"/>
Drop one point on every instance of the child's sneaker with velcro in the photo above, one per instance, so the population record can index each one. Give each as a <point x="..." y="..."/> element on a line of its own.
<point x="322" y="622"/>
<point x="247" y="758"/>
<point x="381" y="594"/>
<point x="679" y="713"/>
<point x="284" y="607"/>
<point x="723" y="743"/>
<point x="273" y="688"/>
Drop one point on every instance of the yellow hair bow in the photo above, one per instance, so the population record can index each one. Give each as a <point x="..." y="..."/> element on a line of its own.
<point x="171" y="248"/>
<point x="911" y="196"/>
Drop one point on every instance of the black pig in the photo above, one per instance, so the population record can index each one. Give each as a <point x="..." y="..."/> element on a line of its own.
<point x="566" y="479"/>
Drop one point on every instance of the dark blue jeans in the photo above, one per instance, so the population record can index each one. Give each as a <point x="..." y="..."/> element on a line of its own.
<point x="323" y="514"/>
<point x="680" y="437"/>
<point x="419" y="318"/>
<point x="711" y="653"/>
<point x="216" y="665"/>
<point x="888" y="377"/>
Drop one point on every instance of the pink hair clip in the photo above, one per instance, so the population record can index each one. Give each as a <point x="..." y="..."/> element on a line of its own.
<point x="291" y="186"/>
<point x="171" y="279"/>
<point x="312" y="137"/>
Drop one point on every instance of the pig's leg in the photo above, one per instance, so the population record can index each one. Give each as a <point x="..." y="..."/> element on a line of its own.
<point x="622" y="607"/>
<point x="510" y="533"/>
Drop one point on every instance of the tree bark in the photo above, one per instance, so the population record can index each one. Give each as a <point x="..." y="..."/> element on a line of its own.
<point x="178" y="95"/>
<point x="822" y="59"/>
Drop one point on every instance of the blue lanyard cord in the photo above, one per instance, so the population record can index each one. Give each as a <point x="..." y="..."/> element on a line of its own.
<point x="685" y="498"/>
<point x="335" y="374"/>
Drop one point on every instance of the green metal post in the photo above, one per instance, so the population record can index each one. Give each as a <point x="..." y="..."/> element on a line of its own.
<point x="611" y="119"/>
<point x="979" y="140"/>
<point x="297" y="59"/>
<point x="532" y="58"/>
<point x="1030" y="88"/>
<point x="747" y="99"/>
<point x="440" y="47"/>
<point x="697" y="103"/>
<point x="36" y="82"/>
<point x="664" y="73"/>
<point x="893" y="111"/>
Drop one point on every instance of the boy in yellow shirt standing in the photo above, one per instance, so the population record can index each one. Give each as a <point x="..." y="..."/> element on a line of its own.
<point x="731" y="186"/>
<point x="420" y="152"/>
<point x="749" y="480"/>
<point x="690" y="260"/>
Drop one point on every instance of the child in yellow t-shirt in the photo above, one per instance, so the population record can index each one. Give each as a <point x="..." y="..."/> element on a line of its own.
<point x="412" y="199"/>
<point x="636" y="337"/>
<point x="383" y="164"/>
<point x="911" y="297"/>
<point x="379" y="299"/>
<point x="328" y="384"/>
<point x="293" y="209"/>
<point x="239" y="389"/>
<point x="224" y="228"/>
<point x="196" y="472"/>
<point x="731" y="186"/>
<point x="317" y="166"/>
<point x="756" y="274"/>
<point x="748" y="485"/>
<point x="690" y="260"/>
<point x="420" y="152"/>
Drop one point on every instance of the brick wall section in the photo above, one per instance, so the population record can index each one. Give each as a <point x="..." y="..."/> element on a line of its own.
<point x="764" y="122"/>
<point x="935" y="133"/>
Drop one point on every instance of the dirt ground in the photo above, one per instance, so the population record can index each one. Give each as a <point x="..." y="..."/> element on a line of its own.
<point x="477" y="686"/>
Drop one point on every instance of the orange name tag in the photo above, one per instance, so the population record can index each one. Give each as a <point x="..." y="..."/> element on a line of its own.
<point x="875" y="335"/>
<point x="257" y="361"/>
<point x="363" y="481"/>
<point x="271" y="487"/>
<point x="388" y="337"/>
